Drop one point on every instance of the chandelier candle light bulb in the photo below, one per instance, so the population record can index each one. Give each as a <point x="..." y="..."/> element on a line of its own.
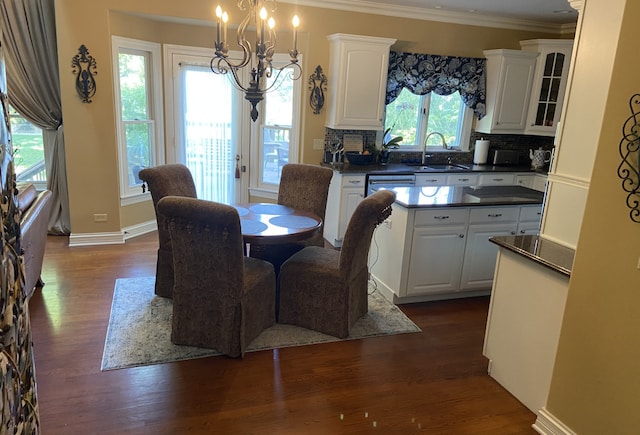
<point x="258" y="60"/>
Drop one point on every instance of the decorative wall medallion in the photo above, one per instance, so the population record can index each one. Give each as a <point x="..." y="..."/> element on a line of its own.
<point x="84" y="66"/>
<point x="629" y="168"/>
<point x="317" y="86"/>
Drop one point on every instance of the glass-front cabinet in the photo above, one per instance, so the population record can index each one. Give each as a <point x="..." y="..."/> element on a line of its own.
<point x="549" y="83"/>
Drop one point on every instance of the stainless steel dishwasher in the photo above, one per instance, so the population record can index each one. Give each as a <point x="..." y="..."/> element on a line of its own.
<point x="374" y="181"/>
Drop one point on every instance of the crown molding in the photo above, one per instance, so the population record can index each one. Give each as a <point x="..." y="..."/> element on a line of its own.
<point x="431" y="14"/>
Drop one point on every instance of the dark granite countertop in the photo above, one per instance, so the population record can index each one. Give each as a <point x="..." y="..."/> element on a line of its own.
<point x="399" y="168"/>
<point x="540" y="250"/>
<point x="463" y="196"/>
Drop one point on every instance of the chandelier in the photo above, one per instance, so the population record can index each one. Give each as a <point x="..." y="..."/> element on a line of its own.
<point x="260" y="59"/>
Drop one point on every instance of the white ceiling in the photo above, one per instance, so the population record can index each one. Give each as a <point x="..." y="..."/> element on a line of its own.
<point x="541" y="15"/>
<point x="549" y="11"/>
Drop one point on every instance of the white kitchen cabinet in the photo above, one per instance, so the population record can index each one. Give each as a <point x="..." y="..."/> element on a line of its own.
<point x="549" y="83"/>
<point x="437" y="249"/>
<point x="539" y="183"/>
<point x="480" y="254"/>
<point x="345" y="193"/>
<point x="497" y="179"/>
<point x="431" y="179"/>
<point x="358" y="81"/>
<point x="529" y="220"/>
<point x="462" y="179"/>
<point x="525" y="180"/>
<point x="510" y="76"/>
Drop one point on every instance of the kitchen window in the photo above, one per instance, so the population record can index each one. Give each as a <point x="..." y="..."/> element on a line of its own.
<point x="416" y="117"/>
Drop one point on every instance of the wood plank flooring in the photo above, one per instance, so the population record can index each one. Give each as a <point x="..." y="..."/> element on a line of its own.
<point x="433" y="382"/>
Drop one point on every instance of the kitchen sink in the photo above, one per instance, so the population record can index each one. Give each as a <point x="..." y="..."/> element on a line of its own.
<point x="453" y="167"/>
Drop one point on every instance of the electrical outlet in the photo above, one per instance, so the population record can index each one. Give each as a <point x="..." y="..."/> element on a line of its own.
<point x="100" y="217"/>
<point x="318" y="144"/>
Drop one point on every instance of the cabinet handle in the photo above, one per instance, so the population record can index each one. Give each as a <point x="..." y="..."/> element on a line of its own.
<point x="433" y="180"/>
<point x="522" y="232"/>
<point x="463" y="179"/>
<point x="513" y="233"/>
<point x="441" y="217"/>
<point x="498" y="179"/>
<point x="461" y="236"/>
<point x="494" y="215"/>
<point x="539" y="213"/>
<point x="354" y="181"/>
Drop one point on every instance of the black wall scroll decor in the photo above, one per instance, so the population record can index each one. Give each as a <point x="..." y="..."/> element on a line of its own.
<point x="629" y="168"/>
<point x="84" y="67"/>
<point x="317" y="86"/>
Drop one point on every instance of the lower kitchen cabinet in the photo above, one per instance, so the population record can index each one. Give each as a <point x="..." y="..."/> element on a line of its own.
<point x="437" y="249"/>
<point x="345" y="193"/>
<point x="427" y="254"/>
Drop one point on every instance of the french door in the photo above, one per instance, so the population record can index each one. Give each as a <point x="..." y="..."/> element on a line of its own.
<point x="208" y="128"/>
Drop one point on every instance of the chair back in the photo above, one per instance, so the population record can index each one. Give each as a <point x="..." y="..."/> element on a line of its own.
<point x="305" y="187"/>
<point x="167" y="180"/>
<point x="207" y="246"/>
<point x="371" y="212"/>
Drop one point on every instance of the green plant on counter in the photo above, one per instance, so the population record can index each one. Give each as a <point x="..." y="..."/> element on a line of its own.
<point x="389" y="142"/>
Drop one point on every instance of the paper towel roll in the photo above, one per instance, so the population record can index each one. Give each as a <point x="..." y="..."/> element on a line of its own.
<point x="480" y="154"/>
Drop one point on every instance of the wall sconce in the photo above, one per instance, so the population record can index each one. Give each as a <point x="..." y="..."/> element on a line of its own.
<point x="84" y="66"/>
<point x="629" y="168"/>
<point x="317" y="86"/>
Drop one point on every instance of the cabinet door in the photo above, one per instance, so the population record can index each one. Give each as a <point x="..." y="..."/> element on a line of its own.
<point x="549" y="84"/>
<point x="509" y="80"/>
<point x="436" y="259"/>
<point x="480" y="254"/>
<point x="351" y="197"/>
<point x="525" y="180"/>
<point x="359" y="67"/>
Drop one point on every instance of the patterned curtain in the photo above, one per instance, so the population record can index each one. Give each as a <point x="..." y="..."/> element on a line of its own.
<point x="444" y="75"/>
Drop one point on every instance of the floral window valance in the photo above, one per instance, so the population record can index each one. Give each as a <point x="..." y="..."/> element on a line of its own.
<point x="444" y="75"/>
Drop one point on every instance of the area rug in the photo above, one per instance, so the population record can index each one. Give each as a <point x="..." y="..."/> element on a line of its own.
<point x="139" y="331"/>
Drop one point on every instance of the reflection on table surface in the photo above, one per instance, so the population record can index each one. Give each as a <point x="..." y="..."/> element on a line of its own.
<point x="274" y="223"/>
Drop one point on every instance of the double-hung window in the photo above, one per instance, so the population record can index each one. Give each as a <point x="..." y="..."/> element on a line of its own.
<point x="137" y="83"/>
<point x="418" y="119"/>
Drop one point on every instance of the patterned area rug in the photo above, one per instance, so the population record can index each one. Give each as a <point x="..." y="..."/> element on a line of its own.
<point x="139" y="331"/>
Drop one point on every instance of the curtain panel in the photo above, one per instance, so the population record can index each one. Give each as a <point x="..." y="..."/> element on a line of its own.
<point x="31" y="56"/>
<point x="444" y="75"/>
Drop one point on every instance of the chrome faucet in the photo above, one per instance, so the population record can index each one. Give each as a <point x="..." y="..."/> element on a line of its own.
<point x="424" y="148"/>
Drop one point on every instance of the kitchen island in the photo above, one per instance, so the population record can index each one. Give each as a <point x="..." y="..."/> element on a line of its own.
<point x="436" y="243"/>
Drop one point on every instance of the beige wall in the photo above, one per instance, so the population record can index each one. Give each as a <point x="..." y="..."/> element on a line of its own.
<point x="90" y="128"/>
<point x="596" y="380"/>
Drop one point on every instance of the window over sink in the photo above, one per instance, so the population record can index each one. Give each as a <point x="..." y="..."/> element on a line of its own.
<point x="415" y="117"/>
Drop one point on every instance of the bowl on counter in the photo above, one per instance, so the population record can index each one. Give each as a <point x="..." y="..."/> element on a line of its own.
<point x="355" y="158"/>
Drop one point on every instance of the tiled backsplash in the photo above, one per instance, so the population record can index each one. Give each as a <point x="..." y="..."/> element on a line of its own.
<point x="520" y="142"/>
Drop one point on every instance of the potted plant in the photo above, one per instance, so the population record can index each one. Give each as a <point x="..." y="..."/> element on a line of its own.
<point x="388" y="143"/>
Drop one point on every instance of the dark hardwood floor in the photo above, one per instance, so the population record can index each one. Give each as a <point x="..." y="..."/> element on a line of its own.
<point x="432" y="382"/>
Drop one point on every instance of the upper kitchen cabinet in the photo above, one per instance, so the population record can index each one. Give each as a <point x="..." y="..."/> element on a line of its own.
<point x="549" y="83"/>
<point x="358" y="81"/>
<point x="510" y="76"/>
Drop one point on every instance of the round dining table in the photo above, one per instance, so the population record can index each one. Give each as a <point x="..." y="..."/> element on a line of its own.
<point x="264" y="223"/>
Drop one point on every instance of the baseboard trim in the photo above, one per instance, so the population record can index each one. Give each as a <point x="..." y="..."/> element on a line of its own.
<point x="94" y="239"/>
<point x="548" y="424"/>
<point x="140" y="229"/>
<point x="113" y="238"/>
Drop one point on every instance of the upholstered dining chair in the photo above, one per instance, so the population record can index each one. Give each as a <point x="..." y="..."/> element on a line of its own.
<point x="165" y="180"/>
<point x="221" y="299"/>
<point x="327" y="290"/>
<point x="304" y="187"/>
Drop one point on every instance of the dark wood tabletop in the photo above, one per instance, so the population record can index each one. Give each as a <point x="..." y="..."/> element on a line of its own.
<point x="264" y="223"/>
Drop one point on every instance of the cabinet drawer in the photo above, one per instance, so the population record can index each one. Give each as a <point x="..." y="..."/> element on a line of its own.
<point x="499" y="179"/>
<point x="353" y="181"/>
<point x="494" y="214"/>
<point x="531" y="213"/>
<point x="431" y="179"/>
<point x="441" y="216"/>
<point x="464" y="179"/>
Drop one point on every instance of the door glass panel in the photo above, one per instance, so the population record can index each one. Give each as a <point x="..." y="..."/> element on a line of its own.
<point x="278" y="119"/>
<point x="548" y="64"/>
<point x="209" y="145"/>
<point x="138" y="137"/>
<point x="559" y="64"/>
